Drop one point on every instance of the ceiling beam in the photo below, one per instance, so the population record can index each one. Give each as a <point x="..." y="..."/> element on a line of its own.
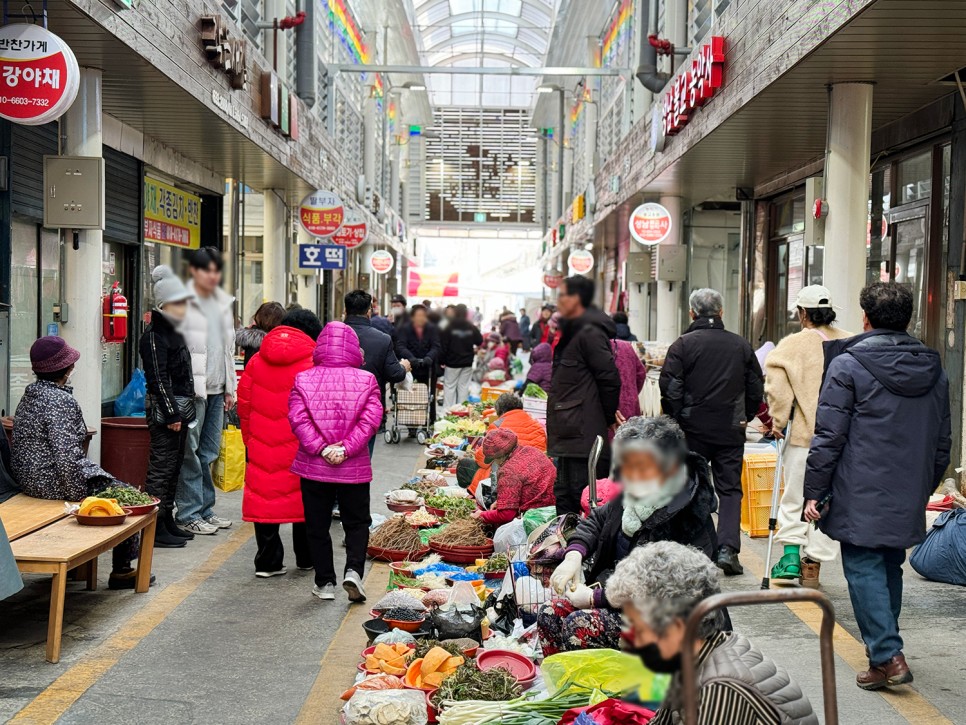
<point x="460" y="70"/>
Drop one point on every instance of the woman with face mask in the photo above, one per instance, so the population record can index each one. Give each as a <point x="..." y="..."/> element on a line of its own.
<point x="667" y="496"/>
<point x="170" y="401"/>
<point x="658" y="586"/>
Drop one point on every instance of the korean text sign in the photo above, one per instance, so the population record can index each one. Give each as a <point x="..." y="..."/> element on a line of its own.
<point x="39" y="75"/>
<point x="171" y="216"/>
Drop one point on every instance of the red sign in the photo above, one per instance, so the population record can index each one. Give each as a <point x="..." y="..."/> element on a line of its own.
<point x="354" y="230"/>
<point x="552" y="280"/>
<point x="580" y="261"/>
<point x="322" y="213"/>
<point x="381" y="261"/>
<point x="691" y="89"/>
<point x="39" y="76"/>
<point x="650" y="223"/>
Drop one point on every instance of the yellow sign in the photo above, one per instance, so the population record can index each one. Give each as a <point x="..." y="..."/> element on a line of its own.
<point x="171" y="216"/>
<point x="579" y="208"/>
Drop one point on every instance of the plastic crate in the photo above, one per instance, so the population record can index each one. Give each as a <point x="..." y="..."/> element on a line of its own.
<point x="490" y="393"/>
<point x="757" y="482"/>
<point x="536" y="407"/>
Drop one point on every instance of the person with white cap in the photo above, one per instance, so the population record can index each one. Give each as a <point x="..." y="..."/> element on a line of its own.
<point x="793" y="377"/>
<point x="170" y="401"/>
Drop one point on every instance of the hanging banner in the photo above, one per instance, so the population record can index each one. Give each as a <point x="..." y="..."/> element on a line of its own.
<point x="424" y="283"/>
<point x="171" y="216"/>
<point x="580" y="261"/>
<point x="381" y="261"/>
<point x="354" y="231"/>
<point x="552" y="280"/>
<point x="322" y="213"/>
<point x="650" y="223"/>
<point x="39" y="76"/>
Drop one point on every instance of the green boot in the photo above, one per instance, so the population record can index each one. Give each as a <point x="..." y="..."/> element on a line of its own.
<point x="789" y="566"/>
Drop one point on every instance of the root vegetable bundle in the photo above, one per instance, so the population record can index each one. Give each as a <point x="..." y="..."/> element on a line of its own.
<point x="397" y="535"/>
<point x="467" y="532"/>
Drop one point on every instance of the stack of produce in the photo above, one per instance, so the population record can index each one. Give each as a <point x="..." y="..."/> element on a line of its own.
<point x="452" y="508"/>
<point x="395" y="537"/>
<point x="96" y="506"/>
<point x="125" y="496"/>
<point x="471" y="683"/>
<point x="390" y="659"/>
<point x="428" y="672"/>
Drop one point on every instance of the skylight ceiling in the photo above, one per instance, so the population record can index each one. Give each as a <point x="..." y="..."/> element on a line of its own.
<point x="483" y="33"/>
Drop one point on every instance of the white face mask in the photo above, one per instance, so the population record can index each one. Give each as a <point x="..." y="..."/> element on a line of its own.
<point x="398" y="311"/>
<point x="640" y="490"/>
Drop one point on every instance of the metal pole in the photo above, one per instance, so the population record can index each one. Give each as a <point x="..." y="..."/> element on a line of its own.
<point x="486" y="71"/>
<point x="560" y="156"/>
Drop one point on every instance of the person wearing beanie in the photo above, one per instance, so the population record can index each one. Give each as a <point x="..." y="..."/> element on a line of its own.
<point x="48" y="459"/>
<point x="170" y="402"/>
<point x="525" y="477"/>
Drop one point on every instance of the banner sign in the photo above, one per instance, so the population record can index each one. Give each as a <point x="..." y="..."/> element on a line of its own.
<point x="650" y="223"/>
<point x="381" y="261"/>
<point x="354" y="231"/>
<point x="39" y="76"/>
<point x="322" y="213"/>
<point x="580" y="261"/>
<point x="171" y="216"/>
<point x="552" y="280"/>
<point x="321" y="256"/>
<point x="690" y="89"/>
<point x="431" y="283"/>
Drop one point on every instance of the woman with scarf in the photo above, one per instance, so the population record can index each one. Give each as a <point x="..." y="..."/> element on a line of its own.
<point x="667" y="496"/>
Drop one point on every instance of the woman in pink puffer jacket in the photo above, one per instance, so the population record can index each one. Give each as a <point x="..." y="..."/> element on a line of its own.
<point x="334" y="409"/>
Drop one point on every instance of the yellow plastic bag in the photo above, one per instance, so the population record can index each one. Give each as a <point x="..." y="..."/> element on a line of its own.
<point x="230" y="466"/>
<point x="608" y="670"/>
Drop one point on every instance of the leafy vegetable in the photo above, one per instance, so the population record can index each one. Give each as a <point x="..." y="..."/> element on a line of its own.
<point x="455" y="508"/>
<point x="126" y="496"/>
<point x="534" y="391"/>
<point x="471" y="683"/>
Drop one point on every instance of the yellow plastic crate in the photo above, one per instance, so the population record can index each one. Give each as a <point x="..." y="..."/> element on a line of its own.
<point x="757" y="481"/>
<point x="489" y="394"/>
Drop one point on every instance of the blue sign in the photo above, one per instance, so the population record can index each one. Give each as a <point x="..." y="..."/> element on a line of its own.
<point x="53" y="328"/>
<point x="321" y="256"/>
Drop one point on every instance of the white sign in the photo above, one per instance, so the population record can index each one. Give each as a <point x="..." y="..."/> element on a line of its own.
<point x="580" y="261"/>
<point x="381" y="261"/>
<point x="650" y="224"/>
<point x="39" y="75"/>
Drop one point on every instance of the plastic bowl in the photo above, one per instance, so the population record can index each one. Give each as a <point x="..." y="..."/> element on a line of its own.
<point x="438" y="513"/>
<point x="405" y="626"/>
<point x="402" y="568"/>
<point x="519" y="666"/>
<point x="100" y="520"/>
<point x="141" y="510"/>
<point x="375" y="627"/>
<point x="402" y="508"/>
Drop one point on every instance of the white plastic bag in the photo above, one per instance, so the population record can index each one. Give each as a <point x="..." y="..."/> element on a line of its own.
<point x="386" y="707"/>
<point x="511" y="536"/>
<point x="463" y="593"/>
<point x="407" y="383"/>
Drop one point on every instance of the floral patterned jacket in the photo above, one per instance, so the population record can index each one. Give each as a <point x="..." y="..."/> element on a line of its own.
<point x="48" y="440"/>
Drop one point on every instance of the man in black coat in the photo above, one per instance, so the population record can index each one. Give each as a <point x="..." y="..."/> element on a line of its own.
<point x="458" y="343"/>
<point x="585" y="391"/>
<point x="881" y="446"/>
<point x="712" y="385"/>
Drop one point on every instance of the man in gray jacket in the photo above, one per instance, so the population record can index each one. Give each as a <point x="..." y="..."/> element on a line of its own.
<point x="209" y="332"/>
<point x="881" y="445"/>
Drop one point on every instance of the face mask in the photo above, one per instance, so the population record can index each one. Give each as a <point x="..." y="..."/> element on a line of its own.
<point x="642" y="490"/>
<point x="651" y="656"/>
<point x="398" y="311"/>
<point x="176" y="322"/>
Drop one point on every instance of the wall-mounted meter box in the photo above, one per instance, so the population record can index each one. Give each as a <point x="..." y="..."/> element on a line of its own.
<point x="639" y="268"/>
<point x="74" y="192"/>
<point x="670" y="262"/>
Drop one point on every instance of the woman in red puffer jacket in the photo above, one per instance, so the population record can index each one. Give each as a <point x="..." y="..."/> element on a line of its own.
<point x="273" y="494"/>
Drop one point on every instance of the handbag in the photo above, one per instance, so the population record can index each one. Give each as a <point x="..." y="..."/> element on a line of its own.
<point x="186" y="409"/>
<point x="230" y="466"/>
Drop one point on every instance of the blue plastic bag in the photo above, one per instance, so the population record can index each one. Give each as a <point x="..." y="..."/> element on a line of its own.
<point x="942" y="556"/>
<point x="130" y="403"/>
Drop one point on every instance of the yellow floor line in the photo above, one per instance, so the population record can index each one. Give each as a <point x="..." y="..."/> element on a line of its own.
<point x="906" y="701"/>
<point x="57" y="698"/>
<point x="337" y="670"/>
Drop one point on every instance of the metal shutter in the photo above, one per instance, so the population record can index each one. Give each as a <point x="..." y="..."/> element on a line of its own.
<point x="29" y="145"/>
<point x="122" y="187"/>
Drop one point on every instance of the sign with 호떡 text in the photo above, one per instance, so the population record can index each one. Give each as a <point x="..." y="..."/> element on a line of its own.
<point x="39" y="75"/>
<point x="321" y="256"/>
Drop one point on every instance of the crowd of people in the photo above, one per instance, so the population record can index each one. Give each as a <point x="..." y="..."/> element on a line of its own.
<point x="311" y="401"/>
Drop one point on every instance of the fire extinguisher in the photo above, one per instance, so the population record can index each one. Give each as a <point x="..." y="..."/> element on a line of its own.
<point x="115" y="315"/>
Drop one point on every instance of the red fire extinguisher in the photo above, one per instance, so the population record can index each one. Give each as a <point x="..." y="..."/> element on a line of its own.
<point x="115" y="315"/>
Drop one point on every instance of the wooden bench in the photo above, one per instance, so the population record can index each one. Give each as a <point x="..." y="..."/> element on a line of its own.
<point x="64" y="545"/>
<point x="23" y="515"/>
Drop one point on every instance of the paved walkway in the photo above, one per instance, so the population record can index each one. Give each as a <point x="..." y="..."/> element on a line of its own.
<point x="212" y="644"/>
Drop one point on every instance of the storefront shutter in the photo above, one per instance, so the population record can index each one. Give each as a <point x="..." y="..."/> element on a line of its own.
<point x="29" y="145"/>
<point x="122" y="184"/>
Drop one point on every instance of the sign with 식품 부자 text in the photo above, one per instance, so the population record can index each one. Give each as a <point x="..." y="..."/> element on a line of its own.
<point x="322" y="213"/>
<point x="171" y="216"/>
<point x="39" y="75"/>
<point x="321" y="256"/>
<point x="690" y="89"/>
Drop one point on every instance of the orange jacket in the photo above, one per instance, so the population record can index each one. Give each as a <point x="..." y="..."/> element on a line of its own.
<point x="529" y="433"/>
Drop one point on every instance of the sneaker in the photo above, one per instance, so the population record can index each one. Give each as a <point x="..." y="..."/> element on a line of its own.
<point x="352" y="583"/>
<point x="308" y="567"/>
<point x="199" y="526"/>
<point x="810" y="573"/>
<point x="218" y="522"/>
<point x="727" y="560"/>
<point x="325" y="593"/>
<point x="269" y="574"/>
<point x="336" y="514"/>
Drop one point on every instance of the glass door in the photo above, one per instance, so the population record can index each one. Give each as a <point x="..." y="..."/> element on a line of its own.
<point x="908" y="257"/>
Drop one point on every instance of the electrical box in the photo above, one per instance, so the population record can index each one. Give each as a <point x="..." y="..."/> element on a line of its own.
<point x="73" y="192"/>
<point x="670" y="262"/>
<point x="639" y="268"/>
<point x="814" y="212"/>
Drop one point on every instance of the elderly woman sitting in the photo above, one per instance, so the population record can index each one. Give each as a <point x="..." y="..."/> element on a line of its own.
<point x="658" y="586"/>
<point x="667" y="496"/>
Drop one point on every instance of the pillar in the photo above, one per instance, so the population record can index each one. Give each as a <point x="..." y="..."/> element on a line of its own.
<point x="669" y="293"/>
<point x="370" y="139"/>
<point x="308" y="285"/>
<point x="82" y="266"/>
<point x="274" y="249"/>
<point x="846" y="189"/>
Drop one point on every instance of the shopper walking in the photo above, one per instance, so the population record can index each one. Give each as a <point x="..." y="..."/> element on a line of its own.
<point x="418" y="342"/>
<point x="510" y="331"/>
<point x="793" y="377"/>
<point x="458" y="344"/>
<point x="585" y="391"/>
<point x="540" y="330"/>
<point x="525" y="329"/>
<point x="711" y="384"/>
<point x="334" y="409"/>
<point x="266" y="318"/>
<point x="272" y="493"/>
<point x="881" y="446"/>
<point x="209" y="331"/>
<point x="623" y="329"/>
<point x="633" y="375"/>
<point x="170" y="408"/>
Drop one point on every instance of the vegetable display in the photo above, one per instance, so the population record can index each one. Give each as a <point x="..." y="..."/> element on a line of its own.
<point x="96" y="506"/>
<point x="534" y="391"/>
<point x="403" y="614"/>
<point x="423" y="646"/>
<point x="396" y="535"/>
<point x="430" y="671"/>
<point x="467" y="532"/>
<point x="376" y="682"/>
<point x="471" y="683"/>
<point x="126" y="496"/>
<point x="497" y="562"/>
<point x="455" y="508"/>
<point x="421" y="518"/>
<point x="522" y="711"/>
<point x="390" y="659"/>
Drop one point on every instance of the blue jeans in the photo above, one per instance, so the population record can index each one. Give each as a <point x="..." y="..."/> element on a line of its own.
<point x="372" y="446"/>
<point x="195" y="497"/>
<point x="875" y="587"/>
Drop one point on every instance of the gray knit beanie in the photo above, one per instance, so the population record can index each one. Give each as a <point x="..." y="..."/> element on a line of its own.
<point x="167" y="286"/>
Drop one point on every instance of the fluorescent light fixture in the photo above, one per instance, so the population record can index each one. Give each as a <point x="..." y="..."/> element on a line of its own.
<point x="415" y="86"/>
<point x="547" y="89"/>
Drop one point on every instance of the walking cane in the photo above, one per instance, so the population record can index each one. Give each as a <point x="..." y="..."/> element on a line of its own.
<point x="775" y="499"/>
<point x="592" y="471"/>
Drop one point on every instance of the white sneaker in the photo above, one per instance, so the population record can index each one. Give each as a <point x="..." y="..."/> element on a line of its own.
<point x="218" y="522"/>
<point x="326" y="593"/>
<point x="199" y="526"/>
<point x="267" y="574"/>
<point x="352" y="583"/>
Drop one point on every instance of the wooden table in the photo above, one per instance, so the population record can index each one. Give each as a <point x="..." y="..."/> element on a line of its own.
<point x="64" y="545"/>
<point x="23" y="515"/>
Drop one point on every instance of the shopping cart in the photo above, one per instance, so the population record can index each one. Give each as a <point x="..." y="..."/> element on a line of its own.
<point x="410" y="409"/>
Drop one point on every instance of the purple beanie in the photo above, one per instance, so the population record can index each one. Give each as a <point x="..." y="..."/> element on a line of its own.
<point x="50" y="354"/>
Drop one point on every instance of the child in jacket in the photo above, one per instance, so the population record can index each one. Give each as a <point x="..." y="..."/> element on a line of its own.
<point x="334" y="409"/>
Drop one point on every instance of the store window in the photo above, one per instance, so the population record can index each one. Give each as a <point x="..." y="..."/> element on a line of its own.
<point x="787" y="264"/>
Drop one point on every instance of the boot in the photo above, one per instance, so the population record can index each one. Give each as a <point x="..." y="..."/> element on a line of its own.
<point x="163" y="539"/>
<point x="889" y="674"/>
<point x="726" y="559"/>
<point x="789" y="566"/>
<point x="125" y="578"/>
<point x="810" y="571"/>
<point x="172" y="528"/>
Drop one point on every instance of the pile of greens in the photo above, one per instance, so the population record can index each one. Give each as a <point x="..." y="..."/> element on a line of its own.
<point x="471" y="683"/>
<point x="455" y="508"/>
<point x="126" y="496"/>
<point x="534" y="391"/>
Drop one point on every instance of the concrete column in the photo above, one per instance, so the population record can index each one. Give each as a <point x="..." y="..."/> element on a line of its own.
<point x="308" y="285"/>
<point x="230" y="213"/>
<point x="846" y="188"/>
<point x="637" y="316"/>
<point x="274" y="243"/>
<point x="370" y="139"/>
<point x="82" y="267"/>
<point x="669" y="293"/>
